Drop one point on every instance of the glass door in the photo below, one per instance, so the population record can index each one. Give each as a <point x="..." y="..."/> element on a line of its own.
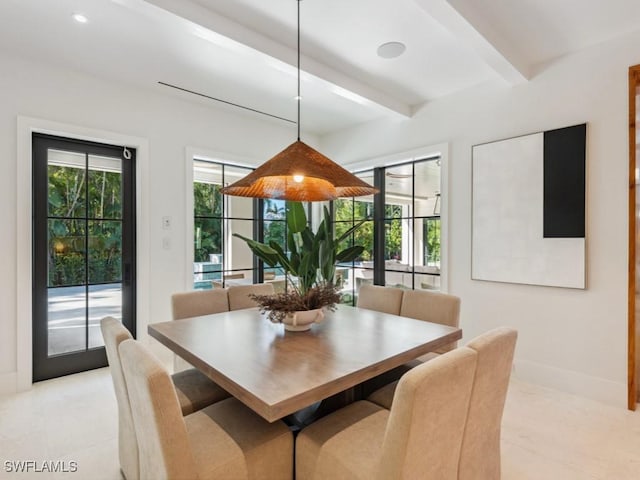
<point x="83" y="251"/>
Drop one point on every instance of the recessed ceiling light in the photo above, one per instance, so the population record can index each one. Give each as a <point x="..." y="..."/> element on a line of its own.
<point x="78" y="17"/>
<point x="391" y="49"/>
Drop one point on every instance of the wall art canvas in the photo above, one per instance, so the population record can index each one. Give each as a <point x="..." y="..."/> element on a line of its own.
<point x="528" y="202"/>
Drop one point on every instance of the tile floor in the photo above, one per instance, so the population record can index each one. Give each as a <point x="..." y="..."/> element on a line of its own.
<point x="547" y="435"/>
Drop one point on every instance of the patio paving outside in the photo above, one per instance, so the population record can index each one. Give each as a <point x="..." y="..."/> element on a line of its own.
<point x="67" y="315"/>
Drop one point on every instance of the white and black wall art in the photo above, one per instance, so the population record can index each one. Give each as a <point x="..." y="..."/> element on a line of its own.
<point x="528" y="204"/>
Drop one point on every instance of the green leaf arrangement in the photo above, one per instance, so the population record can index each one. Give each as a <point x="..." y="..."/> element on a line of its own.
<point x="310" y="264"/>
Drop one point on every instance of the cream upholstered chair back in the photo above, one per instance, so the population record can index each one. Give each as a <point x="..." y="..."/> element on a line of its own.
<point x="195" y="304"/>
<point x="163" y="442"/>
<point x="199" y="302"/>
<point x="426" y="423"/>
<point x="380" y="299"/>
<point x="239" y="295"/>
<point x="480" y="455"/>
<point x="432" y="307"/>
<point x="114" y="333"/>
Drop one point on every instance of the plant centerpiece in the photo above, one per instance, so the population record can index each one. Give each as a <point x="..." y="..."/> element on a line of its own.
<point x="310" y="267"/>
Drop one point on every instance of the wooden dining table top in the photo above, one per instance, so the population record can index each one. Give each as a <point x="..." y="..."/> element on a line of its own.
<point x="276" y="373"/>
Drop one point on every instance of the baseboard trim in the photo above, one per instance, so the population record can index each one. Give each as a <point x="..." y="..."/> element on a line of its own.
<point x="595" y="388"/>
<point x="8" y="383"/>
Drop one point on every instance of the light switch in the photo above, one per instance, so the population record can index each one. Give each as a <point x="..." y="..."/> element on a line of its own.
<point x="166" y="243"/>
<point x="166" y="223"/>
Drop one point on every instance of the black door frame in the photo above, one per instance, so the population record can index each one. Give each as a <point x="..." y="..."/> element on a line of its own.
<point x="45" y="366"/>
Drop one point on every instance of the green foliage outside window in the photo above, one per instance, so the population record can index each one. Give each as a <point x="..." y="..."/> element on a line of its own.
<point x="393" y="239"/>
<point x="393" y="232"/>
<point x="275" y="225"/>
<point x="207" y="203"/>
<point x="432" y="244"/>
<point x="207" y="200"/>
<point x="392" y="211"/>
<point x="346" y="213"/>
<point x="71" y="196"/>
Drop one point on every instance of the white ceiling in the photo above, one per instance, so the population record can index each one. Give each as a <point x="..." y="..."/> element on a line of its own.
<point x="244" y="51"/>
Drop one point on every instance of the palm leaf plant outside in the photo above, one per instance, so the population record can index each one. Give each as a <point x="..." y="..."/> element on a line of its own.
<point x="310" y="265"/>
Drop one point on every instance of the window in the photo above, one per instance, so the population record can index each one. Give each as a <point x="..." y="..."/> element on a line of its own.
<point x="220" y="259"/>
<point x="274" y="228"/>
<point x="407" y="229"/>
<point x="347" y="213"/>
<point x="412" y="225"/>
<point x="431" y="234"/>
<point x="401" y="239"/>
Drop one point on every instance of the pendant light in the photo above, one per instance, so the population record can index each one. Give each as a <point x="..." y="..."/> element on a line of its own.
<point x="300" y="172"/>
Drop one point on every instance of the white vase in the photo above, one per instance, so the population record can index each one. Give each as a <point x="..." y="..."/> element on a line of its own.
<point x="302" y="320"/>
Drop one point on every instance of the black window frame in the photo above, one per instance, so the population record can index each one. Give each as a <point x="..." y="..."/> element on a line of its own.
<point x="379" y="221"/>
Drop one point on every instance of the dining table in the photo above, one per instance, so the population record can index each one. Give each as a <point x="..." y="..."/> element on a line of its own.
<point x="277" y="373"/>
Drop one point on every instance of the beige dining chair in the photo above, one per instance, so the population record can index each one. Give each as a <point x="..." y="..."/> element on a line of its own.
<point x="480" y="455"/>
<point x="225" y="440"/>
<point x="193" y="388"/>
<point x="380" y="299"/>
<point x="115" y="333"/>
<point x="193" y="391"/>
<point x="195" y="304"/>
<point x="384" y="396"/>
<point x="432" y="307"/>
<point x="199" y="302"/>
<point x="419" y="438"/>
<point x="239" y="295"/>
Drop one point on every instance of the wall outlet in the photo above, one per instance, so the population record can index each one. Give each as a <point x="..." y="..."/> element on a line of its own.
<point x="166" y="223"/>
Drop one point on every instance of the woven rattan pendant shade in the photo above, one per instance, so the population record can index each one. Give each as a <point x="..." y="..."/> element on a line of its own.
<point x="300" y="173"/>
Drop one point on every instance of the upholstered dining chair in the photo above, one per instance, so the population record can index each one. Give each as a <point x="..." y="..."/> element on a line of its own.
<point x="480" y="455"/>
<point x="239" y="295"/>
<point x="420" y="437"/>
<point x="432" y="307"/>
<point x="384" y="396"/>
<point x="195" y="304"/>
<point x="224" y="440"/>
<point x="381" y="299"/>
<point x="114" y="333"/>
<point x="199" y="302"/>
<point x="193" y="388"/>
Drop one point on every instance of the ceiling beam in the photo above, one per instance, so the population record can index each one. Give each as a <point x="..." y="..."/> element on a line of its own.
<point x="466" y="22"/>
<point x="210" y="20"/>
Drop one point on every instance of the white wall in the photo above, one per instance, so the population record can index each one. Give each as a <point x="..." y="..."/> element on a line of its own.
<point x="169" y="124"/>
<point x="570" y="339"/>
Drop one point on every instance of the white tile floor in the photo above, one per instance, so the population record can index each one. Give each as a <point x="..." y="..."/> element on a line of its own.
<point x="547" y="435"/>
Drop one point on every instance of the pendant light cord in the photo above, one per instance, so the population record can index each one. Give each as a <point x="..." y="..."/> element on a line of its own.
<point x="299" y="98"/>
